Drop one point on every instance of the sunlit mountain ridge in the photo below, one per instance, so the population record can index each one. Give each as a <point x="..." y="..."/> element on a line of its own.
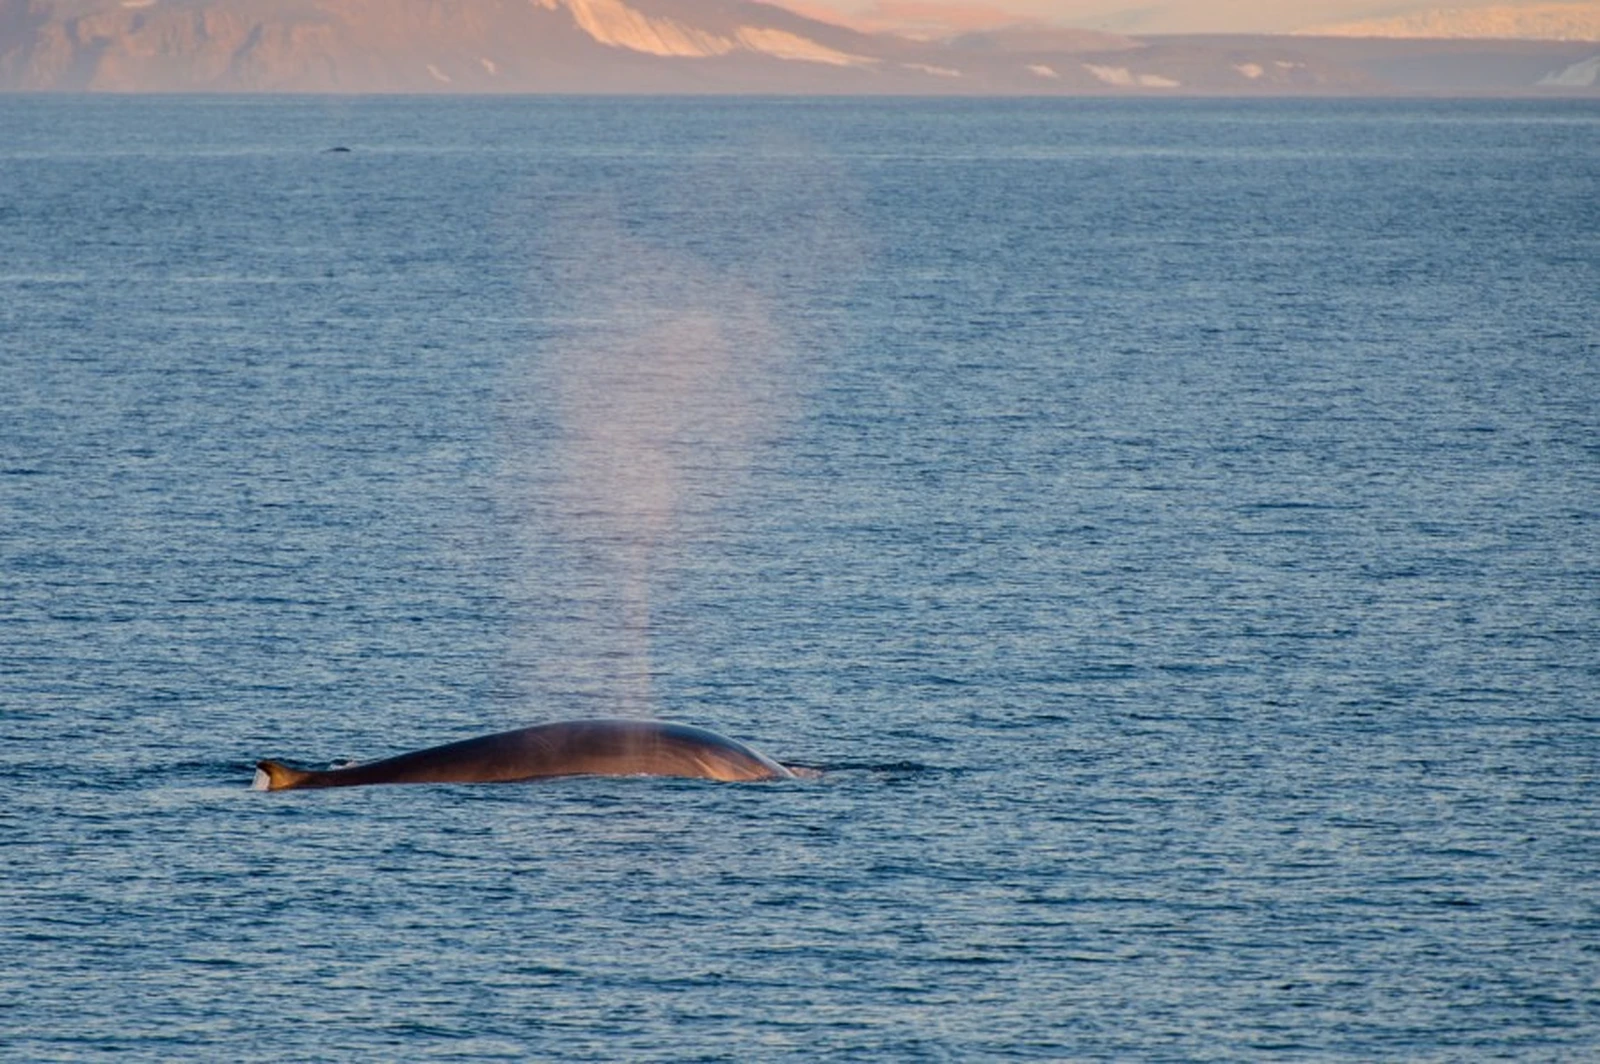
<point x="697" y="46"/>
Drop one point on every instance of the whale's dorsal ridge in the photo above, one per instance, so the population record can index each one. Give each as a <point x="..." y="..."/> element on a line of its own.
<point x="276" y="776"/>
<point x="604" y="747"/>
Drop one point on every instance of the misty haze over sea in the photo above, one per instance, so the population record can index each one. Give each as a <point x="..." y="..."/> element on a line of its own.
<point x="1170" y="525"/>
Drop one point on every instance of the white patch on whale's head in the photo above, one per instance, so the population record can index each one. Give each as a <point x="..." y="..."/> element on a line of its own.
<point x="261" y="782"/>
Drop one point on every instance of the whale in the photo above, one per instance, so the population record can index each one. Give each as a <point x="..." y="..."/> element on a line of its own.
<point x="601" y="747"/>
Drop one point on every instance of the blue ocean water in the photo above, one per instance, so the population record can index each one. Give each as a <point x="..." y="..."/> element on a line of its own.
<point x="1170" y="525"/>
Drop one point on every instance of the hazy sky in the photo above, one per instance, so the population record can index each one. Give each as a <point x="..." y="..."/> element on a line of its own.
<point x="1132" y="16"/>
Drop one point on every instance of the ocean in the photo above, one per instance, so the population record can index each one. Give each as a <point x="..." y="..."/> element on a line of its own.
<point x="1170" y="526"/>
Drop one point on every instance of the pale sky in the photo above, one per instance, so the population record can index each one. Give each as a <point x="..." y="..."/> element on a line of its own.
<point x="1129" y="16"/>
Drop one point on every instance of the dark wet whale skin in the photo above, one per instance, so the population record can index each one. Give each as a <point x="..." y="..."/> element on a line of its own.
<point x="568" y="748"/>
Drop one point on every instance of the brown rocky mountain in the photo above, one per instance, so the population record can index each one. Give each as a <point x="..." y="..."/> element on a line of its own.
<point x="687" y="46"/>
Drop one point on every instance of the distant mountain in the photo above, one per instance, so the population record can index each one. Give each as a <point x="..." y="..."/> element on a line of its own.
<point x="1547" y="22"/>
<point x="698" y="46"/>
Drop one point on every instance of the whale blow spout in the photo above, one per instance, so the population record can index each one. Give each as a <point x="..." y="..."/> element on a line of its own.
<point x="567" y="748"/>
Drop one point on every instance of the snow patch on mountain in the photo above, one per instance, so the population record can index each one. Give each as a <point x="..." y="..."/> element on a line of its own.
<point x="615" y="24"/>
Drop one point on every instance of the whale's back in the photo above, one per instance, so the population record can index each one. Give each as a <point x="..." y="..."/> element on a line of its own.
<point x="569" y="748"/>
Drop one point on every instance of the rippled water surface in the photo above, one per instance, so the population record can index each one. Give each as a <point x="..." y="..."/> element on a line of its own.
<point x="1170" y="525"/>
